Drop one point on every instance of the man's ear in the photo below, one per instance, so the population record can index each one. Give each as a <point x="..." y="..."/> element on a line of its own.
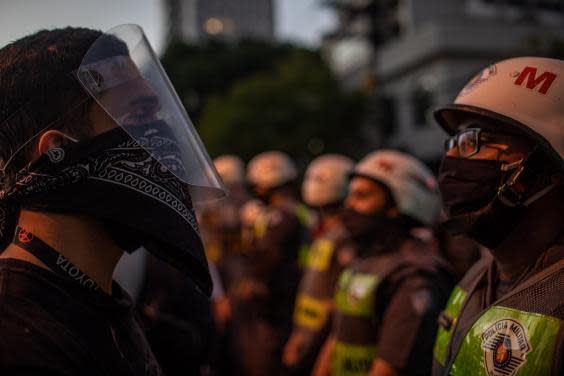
<point x="49" y="140"/>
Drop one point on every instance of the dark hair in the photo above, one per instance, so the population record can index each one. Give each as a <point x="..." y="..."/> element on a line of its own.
<point x="38" y="89"/>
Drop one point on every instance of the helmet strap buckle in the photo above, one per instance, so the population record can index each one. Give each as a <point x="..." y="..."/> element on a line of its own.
<point x="511" y="193"/>
<point x="516" y="191"/>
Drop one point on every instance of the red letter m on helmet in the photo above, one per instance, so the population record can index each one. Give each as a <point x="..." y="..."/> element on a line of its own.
<point x="530" y="73"/>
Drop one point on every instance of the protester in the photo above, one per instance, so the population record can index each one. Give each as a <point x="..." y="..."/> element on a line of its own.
<point x="97" y="158"/>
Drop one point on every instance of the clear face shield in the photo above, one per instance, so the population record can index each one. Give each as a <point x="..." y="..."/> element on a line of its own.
<point x="123" y="74"/>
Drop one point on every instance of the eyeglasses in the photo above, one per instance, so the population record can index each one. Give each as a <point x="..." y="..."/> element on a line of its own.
<point x="467" y="142"/>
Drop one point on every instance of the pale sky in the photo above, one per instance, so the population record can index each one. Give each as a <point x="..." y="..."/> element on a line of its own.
<point x="302" y="21"/>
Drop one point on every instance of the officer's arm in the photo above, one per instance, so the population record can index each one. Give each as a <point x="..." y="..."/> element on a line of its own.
<point x="382" y="368"/>
<point x="293" y="349"/>
<point x="323" y="362"/>
<point x="408" y="327"/>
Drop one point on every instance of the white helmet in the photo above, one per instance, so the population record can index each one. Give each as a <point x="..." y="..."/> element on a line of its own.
<point x="410" y="182"/>
<point x="525" y="93"/>
<point x="326" y="180"/>
<point x="271" y="169"/>
<point x="231" y="169"/>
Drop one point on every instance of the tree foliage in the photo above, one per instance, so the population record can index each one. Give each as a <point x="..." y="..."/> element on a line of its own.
<point x="198" y="71"/>
<point x="252" y="97"/>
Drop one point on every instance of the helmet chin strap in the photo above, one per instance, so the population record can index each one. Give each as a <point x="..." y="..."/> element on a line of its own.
<point x="505" y="208"/>
<point x="514" y="192"/>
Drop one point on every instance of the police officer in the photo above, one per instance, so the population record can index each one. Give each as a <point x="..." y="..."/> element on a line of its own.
<point x="502" y="184"/>
<point x="283" y="229"/>
<point x="222" y="231"/>
<point x="249" y="213"/>
<point x="265" y="295"/>
<point x="97" y="157"/>
<point x="388" y="300"/>
<point x="323" y="190"/>
<point x="225" y="230"/>
<point x="219" y="221"/>
<point x="231" y="169"/>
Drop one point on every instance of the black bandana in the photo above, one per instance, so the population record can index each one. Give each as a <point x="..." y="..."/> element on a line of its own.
<point x="113" y="179"/>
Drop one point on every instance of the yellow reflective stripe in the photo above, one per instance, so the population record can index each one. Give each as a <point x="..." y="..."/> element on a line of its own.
<point x="355" y="293"/>
<point x="320" y="255"/>
<point x="353" y="360"/>
<point x="310" y="312"/>
<point x="452" y="310"/>
<point x="261" y="225"/>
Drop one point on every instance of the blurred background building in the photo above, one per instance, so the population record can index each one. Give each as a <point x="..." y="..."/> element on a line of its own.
<point x="195" y="20"/>
<point x="415" y="55"/>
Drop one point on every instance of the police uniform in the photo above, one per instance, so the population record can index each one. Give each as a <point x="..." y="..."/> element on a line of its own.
<point x="327" y="258"/>
<point x="386" y="307"/>
<point x="262" y="317"/>
<point x="492" y="328"/>
<point x="281" y="233"/>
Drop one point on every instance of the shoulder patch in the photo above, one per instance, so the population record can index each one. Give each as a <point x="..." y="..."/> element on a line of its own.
<point x="506" y="345"/>
<point x="421" y="301"/>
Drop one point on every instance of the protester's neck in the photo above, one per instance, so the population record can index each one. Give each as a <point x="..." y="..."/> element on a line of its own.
<point x="540" y="227"/>
<point x="84" y="241"/>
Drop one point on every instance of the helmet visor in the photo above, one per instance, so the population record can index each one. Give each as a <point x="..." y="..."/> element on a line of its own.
<point x="123" y="74"/>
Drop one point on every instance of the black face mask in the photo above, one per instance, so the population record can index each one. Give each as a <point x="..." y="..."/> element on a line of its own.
<point x="469" y="189"/>
<point x="111" y="178"/>
<point x="377" y="232"/>
<point x="467" y="185"/>
<point x="362" y="226"/>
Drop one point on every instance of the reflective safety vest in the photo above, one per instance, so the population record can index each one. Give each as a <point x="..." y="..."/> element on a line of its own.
<point x="356" y="325"/>
<point x="355" y="346"/>
<point x="449" y="317"/>
<point x="516" y="335"/>
<point x="319" y="279"/>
